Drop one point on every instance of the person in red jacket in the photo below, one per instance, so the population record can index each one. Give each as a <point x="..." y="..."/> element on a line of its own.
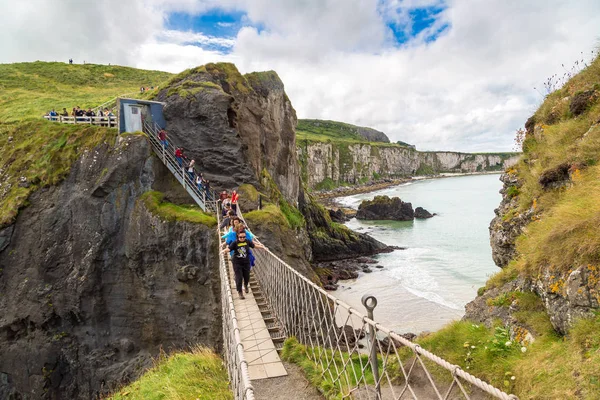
<point x="179" y="156"/>
<point x="162" y="136"/>
<point x="234" y="200"/>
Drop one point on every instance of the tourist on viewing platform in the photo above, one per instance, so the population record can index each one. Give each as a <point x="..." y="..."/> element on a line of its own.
<point x="64" y="113"/>
<point x="90" y="113"/>
<point x="162" y="137"/>
<point x="241" y="260"/>
<point x="234" y="200"/>
<point x="179" y="156"/>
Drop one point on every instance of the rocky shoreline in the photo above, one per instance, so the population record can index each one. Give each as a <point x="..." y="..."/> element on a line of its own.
<point x="326" y="196"/>
<point x="331" y="272"/>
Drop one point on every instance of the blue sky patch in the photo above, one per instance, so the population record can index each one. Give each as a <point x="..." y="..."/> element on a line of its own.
<point x="421" y="19"/>
<point x="216" y="22"/>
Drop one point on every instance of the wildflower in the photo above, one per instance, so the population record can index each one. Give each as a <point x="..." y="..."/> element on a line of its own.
<point x="509" y="343"/>
<point x="523" y="349"/>
<point x="472" y="347"/>
<point x="512" y="378"/>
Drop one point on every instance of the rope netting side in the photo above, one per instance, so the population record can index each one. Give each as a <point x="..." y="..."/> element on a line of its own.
<point x="360" y="357"/>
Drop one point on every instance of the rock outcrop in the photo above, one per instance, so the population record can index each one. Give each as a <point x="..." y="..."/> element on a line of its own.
<point x="385" y="208"/>
<point x="234" y="126"/>
<point x="93" y="285"/>
<point x="355" y="163"/>
<point x="508" y="223"/>
<point x="422" y="213"/>
<point x="332" y="241"/>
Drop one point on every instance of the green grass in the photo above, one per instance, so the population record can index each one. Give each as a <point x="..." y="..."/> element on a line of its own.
<point x="552" y="367"/>
<point x="297" y="353"/>
<point x="198" y="374"/>
<point x="311" y="131"/>
<point x="270" y="213"/>
<point x="42" y="153"/>
<point x="29" y="90"/>
<point x="248" y="191"/>
<point x="173" y="212"/>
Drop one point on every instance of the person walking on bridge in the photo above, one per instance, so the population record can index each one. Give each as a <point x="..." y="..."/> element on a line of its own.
<point x="241" y="260"/>
<point x="234" y="200"/>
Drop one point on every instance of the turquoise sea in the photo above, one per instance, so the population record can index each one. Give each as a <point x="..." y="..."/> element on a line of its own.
<point x="447" y="257"/>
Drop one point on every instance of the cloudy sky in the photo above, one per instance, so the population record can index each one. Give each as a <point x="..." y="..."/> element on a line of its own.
<point x="444" y="75"/>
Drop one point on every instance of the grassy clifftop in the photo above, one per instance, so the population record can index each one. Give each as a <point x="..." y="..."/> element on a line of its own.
<point x="29" y="90"/>
<point x="35" y="153"/>
<point x="316" y="130"/>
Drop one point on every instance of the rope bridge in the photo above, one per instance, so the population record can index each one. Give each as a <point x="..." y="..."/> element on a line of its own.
<point x="359" y="357"/>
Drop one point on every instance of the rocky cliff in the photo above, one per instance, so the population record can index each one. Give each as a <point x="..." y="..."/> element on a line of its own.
<point x="234" y="126"/>
<point x="545" y="234"/>
<point x="93" y="284"/>
<point x="335" y="163"/>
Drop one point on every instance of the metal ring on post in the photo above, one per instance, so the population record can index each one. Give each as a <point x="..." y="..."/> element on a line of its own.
<point x="369" y="301"/>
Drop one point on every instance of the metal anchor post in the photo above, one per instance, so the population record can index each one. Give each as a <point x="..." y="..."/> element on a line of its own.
<point x="370" y="302"/>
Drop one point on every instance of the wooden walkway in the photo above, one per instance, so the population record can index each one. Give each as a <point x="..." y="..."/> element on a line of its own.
<point x="259" y="349"/>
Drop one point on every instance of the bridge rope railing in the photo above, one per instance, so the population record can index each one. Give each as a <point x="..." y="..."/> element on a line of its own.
<point x="361" y="358"/>
<point x="233" y="349"/>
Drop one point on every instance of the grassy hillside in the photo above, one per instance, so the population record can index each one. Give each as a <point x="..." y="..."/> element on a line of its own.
<point x="559" y="183"/>
<point x="316" y="130"/>
<point x="560" y="175"/>
<point x="29" y="90"/>
<point x="195" y="375"/>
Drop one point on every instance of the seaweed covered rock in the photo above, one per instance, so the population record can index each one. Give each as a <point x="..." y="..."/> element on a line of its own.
<point x="385" y="208"/>
<point x="333" y="241"/>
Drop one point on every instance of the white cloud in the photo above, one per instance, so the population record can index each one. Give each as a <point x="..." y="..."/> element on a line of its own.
<point x="468" y="90"/>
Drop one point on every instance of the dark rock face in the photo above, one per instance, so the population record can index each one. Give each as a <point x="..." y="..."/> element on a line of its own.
<point x="385" y="208"/>
<point x="93" y="285"/>
<point x="235" y="126"/>
<point x="530" y="125"/>
<point x="422" y="213"/>
<point x="556" y="177"/>
<point x="337" y="215"/>
<point x="582" y="101"/>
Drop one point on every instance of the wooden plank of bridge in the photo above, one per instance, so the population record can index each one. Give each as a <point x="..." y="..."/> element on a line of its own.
<point x="259" y="349"/>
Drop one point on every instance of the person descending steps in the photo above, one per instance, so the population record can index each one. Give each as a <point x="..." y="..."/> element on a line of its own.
<point x="241" y="259"/>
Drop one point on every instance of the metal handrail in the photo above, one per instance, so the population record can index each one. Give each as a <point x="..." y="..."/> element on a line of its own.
<point x="167" y="155"/>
